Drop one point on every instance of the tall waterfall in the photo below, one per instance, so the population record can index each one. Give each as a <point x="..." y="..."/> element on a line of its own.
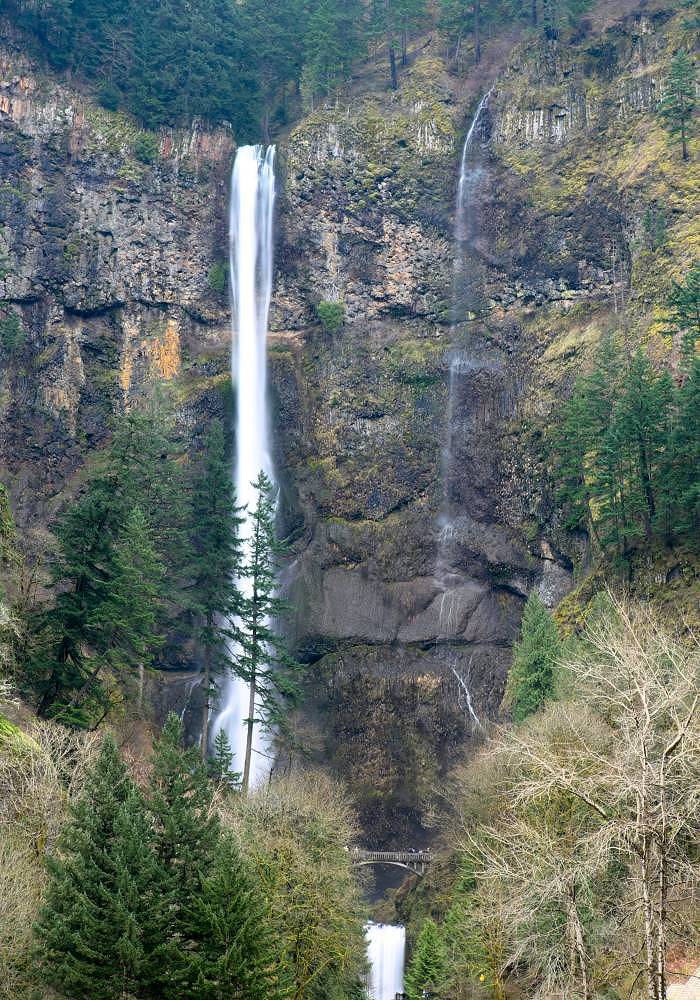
<point x="386" y="950"/>
<point x="250" y="255"/>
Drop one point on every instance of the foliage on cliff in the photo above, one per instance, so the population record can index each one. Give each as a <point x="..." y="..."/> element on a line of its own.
<point x="244" y="62"/>
<point x="577" y="827"/>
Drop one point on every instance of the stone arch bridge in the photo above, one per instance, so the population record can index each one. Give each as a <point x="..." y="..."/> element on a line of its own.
<point x="412" y="861"/>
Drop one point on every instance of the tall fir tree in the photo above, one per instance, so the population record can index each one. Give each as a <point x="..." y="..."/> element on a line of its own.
<point x="118" y="572"/>
<point x="185" y="838"/>
<point x="97" y="931"/>
<point x="532" y="675"/>
<point x="263" y="660"/>
<point x="426" y="972"/>
<point x="124" y="624"/>
<point x="684" y="307"/>
<point x="235" y="953"/>
<point x="679" y="100"/>
<point x="216" y="564"/>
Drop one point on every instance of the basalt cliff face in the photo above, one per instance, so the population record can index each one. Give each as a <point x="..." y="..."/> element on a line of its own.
<point x="409" y="441"/>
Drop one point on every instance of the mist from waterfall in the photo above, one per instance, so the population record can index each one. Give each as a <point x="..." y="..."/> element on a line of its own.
<point x="250" y="256"/>
<point x="386" y="950"/>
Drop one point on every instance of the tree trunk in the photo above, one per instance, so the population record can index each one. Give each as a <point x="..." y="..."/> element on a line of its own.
<point x="249" y="734"/>
<point x="458" y="51"/>
<point x="646" y="485"/>
<point x="534" y="13"/>
<point x="206" y="706"/>
<point x="392" y="65"/>
<point x="404" y="47"/>
<point x="579" y="946"/>
<point x="649" y="942"/>
<point x="684" y="140"/>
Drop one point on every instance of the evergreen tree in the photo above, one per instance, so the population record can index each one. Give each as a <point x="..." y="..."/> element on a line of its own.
<point x="262" y="661"/>
<point x="216" y="564"/>
<point x="394" y="20"/>
<point x="61" y="665"/>
<point x="678" y="103"/>
<point x="96" y="931"/>
<point x="426" y="971"/>
<point x="123" y="625"/>
<point x="686" y="456"/>
<point x="684" y="305"/>
<point x="532" y="675"/>
<point x="236" y="954"/>
<point x="186" y="834"/>
<point x="220" y="765"/>
<point x="332" y="42"/>
<point x="118" y="572"/>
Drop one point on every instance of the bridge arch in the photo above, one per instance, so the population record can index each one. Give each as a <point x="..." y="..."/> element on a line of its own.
<point x="411" y="861"/>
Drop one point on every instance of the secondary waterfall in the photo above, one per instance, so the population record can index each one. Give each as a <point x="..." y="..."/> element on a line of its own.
<point x="386" y="950"/>
<point x="250" y="257"/>
<point x="470" y="175"/>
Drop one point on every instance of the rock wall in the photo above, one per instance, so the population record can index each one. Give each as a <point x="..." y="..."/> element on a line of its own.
<point x="411" y="442"/>
<point x="107" y="238"/>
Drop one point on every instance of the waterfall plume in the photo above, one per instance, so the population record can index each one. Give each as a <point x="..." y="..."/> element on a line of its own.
<point x="251" y="257"/>
<point x="386" y="950"/>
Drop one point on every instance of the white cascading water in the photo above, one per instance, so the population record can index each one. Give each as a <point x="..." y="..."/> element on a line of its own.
<point x="470" y="175"/>
<point x="386" y="950"/>
<point x="250" y="255"/>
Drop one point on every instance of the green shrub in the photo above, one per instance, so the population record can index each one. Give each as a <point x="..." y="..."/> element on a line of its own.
<point x="331" y="315"/>
<point x="146" y="147"/>
<point x="11" y="333"/>
<point x="109" y="96"/>
<point x="217" y="277"/>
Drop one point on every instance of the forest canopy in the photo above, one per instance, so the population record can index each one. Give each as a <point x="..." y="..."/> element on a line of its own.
<point x="248" y="63"/>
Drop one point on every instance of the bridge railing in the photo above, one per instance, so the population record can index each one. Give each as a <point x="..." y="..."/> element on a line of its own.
<point x="406" y="857"/>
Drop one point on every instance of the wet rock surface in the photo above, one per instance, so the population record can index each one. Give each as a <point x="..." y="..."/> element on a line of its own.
<point x="411" y="441"/>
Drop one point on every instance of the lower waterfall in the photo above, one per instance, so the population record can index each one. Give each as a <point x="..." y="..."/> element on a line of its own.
<point x="386" y="950"/>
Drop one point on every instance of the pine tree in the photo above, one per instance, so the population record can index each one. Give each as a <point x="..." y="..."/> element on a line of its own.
<point x="235" y="954"/>
<point x="118" y="572"/>
<point x="123" y="625"/>
<point x="427" y="969"/>
<point x="678" y="103"/>
<point x="532" y="675"/>
<point x="96" y="930"/>
<point x="215" y="564"/>
<point x="332" y="43"/>
<point x="61" y="665"/>
<point x="220" y="765"/>
<point x="684" y="306"/>
<point x="186" y="834"/>
<point x="686" y="455"/>
<point x="263" y="661"/>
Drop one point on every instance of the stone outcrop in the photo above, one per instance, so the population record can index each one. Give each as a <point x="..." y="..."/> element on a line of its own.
<point x="411" y="442"/>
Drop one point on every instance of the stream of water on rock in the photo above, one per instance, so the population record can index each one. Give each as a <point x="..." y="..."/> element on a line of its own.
<point x="386" y="943"/>
<point x="470" y="176"/>
<point x="250" y="255"/>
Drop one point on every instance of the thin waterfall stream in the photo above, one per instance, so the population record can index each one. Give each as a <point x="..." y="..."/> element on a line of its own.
<point x="386" y="943"/>
<point x="470" y="176"/>
<point x="251" y="244"/>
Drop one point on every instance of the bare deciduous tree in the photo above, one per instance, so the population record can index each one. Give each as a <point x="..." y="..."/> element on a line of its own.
<point x="627" y="747"/>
